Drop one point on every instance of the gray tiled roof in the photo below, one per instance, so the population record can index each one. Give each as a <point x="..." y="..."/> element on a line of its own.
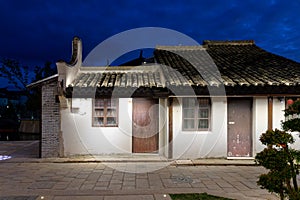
<point x="230" y="63"/>
<point x="246" y="63"/>
<point x="235" y="64"/>
<point x="192" y="66"/>
<point x="147" y="76"/>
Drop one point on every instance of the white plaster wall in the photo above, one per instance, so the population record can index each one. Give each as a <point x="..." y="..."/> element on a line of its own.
<point x="278" y="113"/>
<point x="81" y="138"/>
<point x="163" y="127"/>
<point x="260" y="121"/>
<point x="201" y="144"/>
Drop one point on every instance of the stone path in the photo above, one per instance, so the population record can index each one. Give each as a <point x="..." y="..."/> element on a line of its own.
<point x="98" y="181"/>
<point x="23" y="176"/>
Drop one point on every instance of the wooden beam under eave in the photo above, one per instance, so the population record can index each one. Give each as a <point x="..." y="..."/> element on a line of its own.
<point x="270" y="113"/>
<point x="170" y="150"/>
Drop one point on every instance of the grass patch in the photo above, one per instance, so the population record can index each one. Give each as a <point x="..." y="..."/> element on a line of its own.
<point x="196" y="196"/>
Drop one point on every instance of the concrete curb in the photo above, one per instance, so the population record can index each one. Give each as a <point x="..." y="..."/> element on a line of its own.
<point x="200" y="162"/>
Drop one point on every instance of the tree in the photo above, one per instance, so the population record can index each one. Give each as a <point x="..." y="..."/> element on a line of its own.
<point x="15" y="73"/>
<point x="20" y="77"/>
<point x="280" y="158"/>
<point x="34" y="99"/>
<point x="43" y="72"/>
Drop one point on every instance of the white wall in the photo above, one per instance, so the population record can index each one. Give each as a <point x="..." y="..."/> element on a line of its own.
<point x="163" y="127"/>
<point x="260" y="121"/>
<point x="81" y="138"/>
<point x="278" y="113"/>
<point x="201" y="144"/>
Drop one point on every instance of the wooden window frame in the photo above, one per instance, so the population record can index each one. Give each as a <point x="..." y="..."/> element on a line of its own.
<point x="100" y="111"/>
<point x="196" y="117"/>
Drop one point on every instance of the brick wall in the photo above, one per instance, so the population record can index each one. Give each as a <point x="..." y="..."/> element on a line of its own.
<point x="51" y="137"/>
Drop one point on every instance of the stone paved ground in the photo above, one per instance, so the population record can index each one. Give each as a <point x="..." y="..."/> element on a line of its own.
<point x="25" y="177"/>
<point x="98" y="181"/>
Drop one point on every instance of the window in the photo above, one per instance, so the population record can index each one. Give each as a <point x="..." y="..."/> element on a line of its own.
<point x="105" y="112"/>
<point x="196" y="114"/>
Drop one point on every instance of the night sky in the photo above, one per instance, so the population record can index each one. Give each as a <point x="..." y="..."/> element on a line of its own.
<point x="33" y="32"/>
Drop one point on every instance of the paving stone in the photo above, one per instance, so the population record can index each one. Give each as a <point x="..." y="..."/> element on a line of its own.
<point x="102" y="184"/>
<point x="130" y="197"/>
<point x="129" y="183"/>
<point x="42" y="185"/>
<point x="18" y="197"/>
<point x="105" y="177"/>
<point x="100" y="188"/>
<point x="115" y="186"/>
<point x="198" y="185"/>
<point x="87" y="187"/>
<point x="78" y="198"/>
<point x="224" y="184"/>
<point x="61" y="186"/>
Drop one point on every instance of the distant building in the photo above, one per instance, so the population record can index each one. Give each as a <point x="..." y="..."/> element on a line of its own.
<point x="13" y="96"/>
<point x="3" y="101"/>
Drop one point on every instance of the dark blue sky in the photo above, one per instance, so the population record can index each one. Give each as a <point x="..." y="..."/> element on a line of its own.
<point x="37" y="31"/>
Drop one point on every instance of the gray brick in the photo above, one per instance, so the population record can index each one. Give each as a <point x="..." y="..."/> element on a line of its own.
<point x="51" y="141"/>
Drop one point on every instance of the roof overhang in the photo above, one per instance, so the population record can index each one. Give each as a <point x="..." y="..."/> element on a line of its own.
<point x="43" y="81"/>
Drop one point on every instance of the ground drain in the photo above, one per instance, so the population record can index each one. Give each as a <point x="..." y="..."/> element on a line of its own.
<point x="181" y="179"/>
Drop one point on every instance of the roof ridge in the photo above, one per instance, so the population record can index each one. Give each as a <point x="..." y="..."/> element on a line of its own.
<point x="228" y="42"/>
<point x="179" y="47"/>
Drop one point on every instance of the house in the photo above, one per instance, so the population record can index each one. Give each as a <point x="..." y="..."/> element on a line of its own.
<point x="212" y="100"/>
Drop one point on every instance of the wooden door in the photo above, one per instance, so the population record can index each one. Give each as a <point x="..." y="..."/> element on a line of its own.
<point x="145" y="125"/>
<point x="239" y="127"/>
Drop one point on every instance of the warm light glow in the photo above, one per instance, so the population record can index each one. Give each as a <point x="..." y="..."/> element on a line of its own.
<point x="290" y="101"/>
<point x="4" y="157"/>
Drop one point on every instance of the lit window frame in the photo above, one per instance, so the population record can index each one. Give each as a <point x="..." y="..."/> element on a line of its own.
<point x="195" y="116"/>
<point x="104" y="111"/>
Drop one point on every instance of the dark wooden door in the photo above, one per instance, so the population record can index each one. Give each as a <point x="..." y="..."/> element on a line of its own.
<point x="239" y="127"/>
<point x="145" y="125"/>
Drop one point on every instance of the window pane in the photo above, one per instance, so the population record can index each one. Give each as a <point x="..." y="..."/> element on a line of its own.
<point x="108" y="101"/>
<point x="111" y="121"/>
<point x="202" y="123"/>
<point x="111" y="112"/>
<point x="188" y="102"/>
<point x="188" y="124"/>
<point x="203" y="113"/>
<point x="99" y="103"/>
<point x="98" y="121"/>
<point x="113" y="102"/>
<point x="188" y="113"/>
<point x="203" y="102"/>
<point x="99" y="112"/>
